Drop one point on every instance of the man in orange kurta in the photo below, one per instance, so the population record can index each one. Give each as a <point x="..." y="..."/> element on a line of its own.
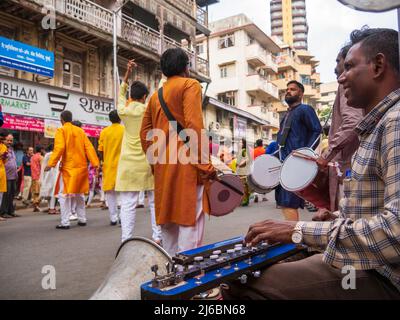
<point x="178" y="186"/>
<point x="73" y="147"/>
<point x="110" y="142"/>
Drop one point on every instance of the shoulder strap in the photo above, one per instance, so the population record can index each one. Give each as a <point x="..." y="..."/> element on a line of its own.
<point x="286" y="128"/>
<point x="174" y="123"/>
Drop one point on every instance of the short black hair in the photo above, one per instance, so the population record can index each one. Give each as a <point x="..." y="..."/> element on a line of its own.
<point x="66" y="116"/>
<point x="38" y="148"/>
<point x="3" y="133"/>
<point x="344" y="51"/>
<point x="259" y="143"/>
<point x="138" y="90"/>
<point x="173" y="62"/>
<point x="50" y="148"/>
<point x="298" y="84"/>
<point x="77" y="123"/>
<point x="378" y="40"/>
<point x="113" y="116"/>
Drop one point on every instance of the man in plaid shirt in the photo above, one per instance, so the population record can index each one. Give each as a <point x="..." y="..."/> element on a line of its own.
<point x="365" y="235"/>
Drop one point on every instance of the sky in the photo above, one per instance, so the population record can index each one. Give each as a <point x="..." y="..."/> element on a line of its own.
<point x="330" y="24"/>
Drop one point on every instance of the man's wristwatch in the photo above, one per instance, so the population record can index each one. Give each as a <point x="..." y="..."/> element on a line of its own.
<point x="297" y="236"/>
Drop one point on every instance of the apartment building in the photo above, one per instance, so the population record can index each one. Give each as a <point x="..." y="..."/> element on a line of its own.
<point x="301" y="66"/>
<point x="81" y="40"/>
<point x="289" y="22"/>
<point x="242" y="67"/>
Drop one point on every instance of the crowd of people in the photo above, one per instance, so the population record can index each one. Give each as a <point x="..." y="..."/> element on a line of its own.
<point x="358" y="228"/>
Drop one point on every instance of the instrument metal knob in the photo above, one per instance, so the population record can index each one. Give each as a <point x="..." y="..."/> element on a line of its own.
<point x="256" y="274"/>
<point x="243" y="279"/>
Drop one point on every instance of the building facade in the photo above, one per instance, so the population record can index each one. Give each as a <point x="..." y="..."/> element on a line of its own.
<point x="242" y="67"/>
<point x="289" y="22"/>
<point x="80" y="33"/>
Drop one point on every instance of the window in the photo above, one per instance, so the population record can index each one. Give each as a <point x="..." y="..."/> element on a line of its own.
<point x="264" y="110"/>
<point x="250" y="40"/>
<point x="252" y="100"/>
<point x="251" y="70"/>
<point x="228" y="97"/>
<point x="305" y="80"/>
<point x="227" y="70"/>
<point x="72" y="75"/>
<point x="200" y="48"/>
<point x="226" y="41"/>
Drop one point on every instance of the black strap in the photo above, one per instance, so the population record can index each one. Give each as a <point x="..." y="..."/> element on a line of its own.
<point x="286" y="129"/>
<point x="174" y="123"/>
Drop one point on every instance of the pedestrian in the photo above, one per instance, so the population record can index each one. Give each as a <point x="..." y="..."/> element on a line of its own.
<point x="19" y="155"/>
<point x="360" y="243"/>
<point x="36" y="167"/>
<point x="73" y="148"/>
<point x="242" y="170"/>
<point x="179" y="186"/>
<point x="26" y="161"/>
<point x="48" y="181"/>
<point x="298" y="129"/>
<point x="259" y="149"/>
<point x="343" y="140"/>
<point x="7" y="209"/>
<point x="3" y="159"/>
<point x="110" y="142"/>
<point x="134" y="172"/>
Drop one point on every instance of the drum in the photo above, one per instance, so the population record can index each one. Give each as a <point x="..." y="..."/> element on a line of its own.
<point x="301" y="176"/>
<point x="131" y="268"/>
<point x="225" y="194"/>
<point x="264" y="174"/>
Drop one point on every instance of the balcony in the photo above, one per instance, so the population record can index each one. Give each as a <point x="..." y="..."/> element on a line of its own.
<point x="258" y="85"/>
<point x="286" y="62"/>
<point x="271" y="65"/>
<point x="300" y="28"/>
<point x="202" y="17"/>
<point x="187" y="6"/>
<point x="256" y="55"/>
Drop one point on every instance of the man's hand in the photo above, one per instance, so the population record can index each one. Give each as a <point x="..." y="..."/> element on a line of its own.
<point x="322" y="163"/>
<point x="129" y="67"/>
<point x="271" y="231"/>
<point x="47" y="169"/>
<point x="323" y="215"/>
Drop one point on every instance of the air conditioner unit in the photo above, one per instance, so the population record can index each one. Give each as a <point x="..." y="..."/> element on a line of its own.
<point x="217" y="126"/>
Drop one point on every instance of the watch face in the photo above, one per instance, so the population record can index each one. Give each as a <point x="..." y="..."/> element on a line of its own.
<point x="297" y="237"/>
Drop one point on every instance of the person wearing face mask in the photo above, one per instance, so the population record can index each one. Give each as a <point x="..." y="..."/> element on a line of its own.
<point x="343" y="140"/>
<point x="299" y="128"/>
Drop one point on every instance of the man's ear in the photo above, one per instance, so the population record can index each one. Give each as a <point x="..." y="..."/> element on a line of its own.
<point x="379" y="65"/>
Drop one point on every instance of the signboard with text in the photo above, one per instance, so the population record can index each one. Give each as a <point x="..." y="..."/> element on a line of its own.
<point x="18" y="55"/>
<point x="27" y="98"/>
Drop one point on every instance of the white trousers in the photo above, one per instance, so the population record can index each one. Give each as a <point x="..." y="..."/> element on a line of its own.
<point x="177" y="238"/>
<point x="52" y="203"/>
<point x="129" y="200"/>
<point x="111" y="198"/>
<point x="66" y="205"/>
<point x="141" y="198"/>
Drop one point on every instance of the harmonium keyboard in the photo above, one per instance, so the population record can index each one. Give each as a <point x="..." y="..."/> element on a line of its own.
<point x="198" y="270"/>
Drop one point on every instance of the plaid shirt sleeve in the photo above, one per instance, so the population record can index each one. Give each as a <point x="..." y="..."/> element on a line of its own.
<point x="367" y="242"/>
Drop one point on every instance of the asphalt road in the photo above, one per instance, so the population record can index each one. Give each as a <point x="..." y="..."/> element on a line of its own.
<point x="82" y="256"/>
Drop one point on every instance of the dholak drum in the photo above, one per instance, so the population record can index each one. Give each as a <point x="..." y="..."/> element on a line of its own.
<point x="225" y="194"/>
<point x="264" y="174"/>
<point x="302" y="177"/>
<point x="131" y="268"/>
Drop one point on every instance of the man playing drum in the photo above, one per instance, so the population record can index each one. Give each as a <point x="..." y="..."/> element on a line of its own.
<point x="365" y="237"/>
<point x="299" y="128"/>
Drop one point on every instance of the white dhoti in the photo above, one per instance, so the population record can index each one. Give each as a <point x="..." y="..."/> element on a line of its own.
<point x="111" y="198"/>
<point x="177" y="238"/>
<point x="66" y="205"/>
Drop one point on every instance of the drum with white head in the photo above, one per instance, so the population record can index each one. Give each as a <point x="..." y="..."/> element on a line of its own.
<point x="299" y="174"/>
<point x="264" y="174"/>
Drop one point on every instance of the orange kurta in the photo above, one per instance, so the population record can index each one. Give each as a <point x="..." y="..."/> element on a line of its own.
<point x="73" y="147"/>
<point x="175" y="185"/>
<point x="3" y="177"/>
<point x="110" y="142"/>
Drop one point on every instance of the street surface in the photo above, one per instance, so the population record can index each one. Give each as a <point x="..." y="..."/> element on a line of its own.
<point x="82" y="256"/>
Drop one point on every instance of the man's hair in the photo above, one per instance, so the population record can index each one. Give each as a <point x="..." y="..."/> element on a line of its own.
<point x="344" y="51"/>
<point x="77" y="123"/>
<point x="3" y="133"/>
<point x="259" y="143"/>
<point x="113" y="116"/>
<point x="378" y="40"/>
<point x="50" y="147"/>
<point x="66" y="116"/>
<point x="138" y="90"/>
<point x="298" y="84"/>
<point x="38" y="148"/>
<point x="173" y="62"/>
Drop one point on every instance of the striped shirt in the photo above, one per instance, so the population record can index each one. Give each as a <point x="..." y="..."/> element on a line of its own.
<point x="366" y="234"/>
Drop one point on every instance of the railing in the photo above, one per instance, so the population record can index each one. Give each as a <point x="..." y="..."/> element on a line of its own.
<point x="90" y="13"/>
<point x="137" y="33"/>
<point x="184" y="5"/>
<point x="202" y="17"/>
<point x="202" y="66"/>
